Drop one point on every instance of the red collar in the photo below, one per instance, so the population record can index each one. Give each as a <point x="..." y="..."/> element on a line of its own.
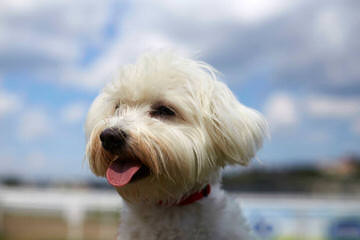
<point x="193" y="197"/>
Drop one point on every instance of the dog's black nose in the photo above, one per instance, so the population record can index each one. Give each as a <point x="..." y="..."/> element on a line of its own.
<point x="112" y="139"/>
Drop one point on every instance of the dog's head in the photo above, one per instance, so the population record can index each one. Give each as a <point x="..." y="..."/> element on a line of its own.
<point x="166" y="126"/>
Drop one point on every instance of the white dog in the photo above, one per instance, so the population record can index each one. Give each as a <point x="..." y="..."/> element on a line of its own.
<point x="160" y="133"/>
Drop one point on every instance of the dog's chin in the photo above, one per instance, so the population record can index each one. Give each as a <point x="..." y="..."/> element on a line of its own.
<point x="148" y="189"/>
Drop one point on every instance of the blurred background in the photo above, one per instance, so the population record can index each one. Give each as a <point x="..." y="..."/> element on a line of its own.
<point x="297" y="62"/>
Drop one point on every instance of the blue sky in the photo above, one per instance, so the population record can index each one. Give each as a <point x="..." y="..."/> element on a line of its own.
<point x="297" y="62"/>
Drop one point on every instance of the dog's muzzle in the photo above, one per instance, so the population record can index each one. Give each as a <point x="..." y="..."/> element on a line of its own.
<point x="126" y="167"/>
<point x="113" y="139"/>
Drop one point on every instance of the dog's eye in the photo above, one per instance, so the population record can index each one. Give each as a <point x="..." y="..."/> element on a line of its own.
<point x="117" y="106"/>
<point x="162" y="111"/>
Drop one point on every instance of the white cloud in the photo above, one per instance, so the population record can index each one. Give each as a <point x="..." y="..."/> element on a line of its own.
<point x="319" y="136"/>
<point x="32" y="163"/>
<point x="9" y="102"/>
<point x="123" y="51"/>
<point x="51" y="42"/>
<point x="34" y="124"/>
<point x="47" y="37"/>
<point x="36" y="161"/>
<point x="333" y="107"/>
<point x="356" y="126"/>
<point x="74" y="112"/>
<point x="281" y="111"/>
<point x="259" y="10"/>
<point x="301" y="40"/>
<point x="217" y="11"/>
<point x="142" y="31"/>
<point x="329" y="29"/>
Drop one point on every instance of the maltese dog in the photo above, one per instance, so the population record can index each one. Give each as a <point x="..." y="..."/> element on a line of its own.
<point x="161" y="133"/>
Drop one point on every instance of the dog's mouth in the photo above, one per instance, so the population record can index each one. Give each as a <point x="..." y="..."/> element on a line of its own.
<point x="124" y="171"/>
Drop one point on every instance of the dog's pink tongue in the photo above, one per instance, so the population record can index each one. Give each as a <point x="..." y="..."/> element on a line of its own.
<point x="120" y="173"/>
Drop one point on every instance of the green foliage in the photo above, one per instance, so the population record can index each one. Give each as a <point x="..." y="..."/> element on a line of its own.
<point x="300" y="179"/>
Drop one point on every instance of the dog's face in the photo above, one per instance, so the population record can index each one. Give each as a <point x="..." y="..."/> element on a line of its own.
<point x="165" y="127"/>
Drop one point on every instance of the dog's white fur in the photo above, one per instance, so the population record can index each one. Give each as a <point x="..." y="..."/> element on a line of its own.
<point x="184" y="152"/>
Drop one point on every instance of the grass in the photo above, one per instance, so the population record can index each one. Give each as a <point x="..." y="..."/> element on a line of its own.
<point x="23" y="226"/>
<point x="295" y="238"/>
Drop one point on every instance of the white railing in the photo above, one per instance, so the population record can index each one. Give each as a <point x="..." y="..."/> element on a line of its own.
<point x="287" y="214"/>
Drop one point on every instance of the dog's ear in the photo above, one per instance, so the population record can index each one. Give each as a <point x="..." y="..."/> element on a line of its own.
<point x="237" y="131"/>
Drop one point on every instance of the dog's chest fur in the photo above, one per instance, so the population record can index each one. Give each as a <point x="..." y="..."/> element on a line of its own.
<point x="215" y="217"/>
